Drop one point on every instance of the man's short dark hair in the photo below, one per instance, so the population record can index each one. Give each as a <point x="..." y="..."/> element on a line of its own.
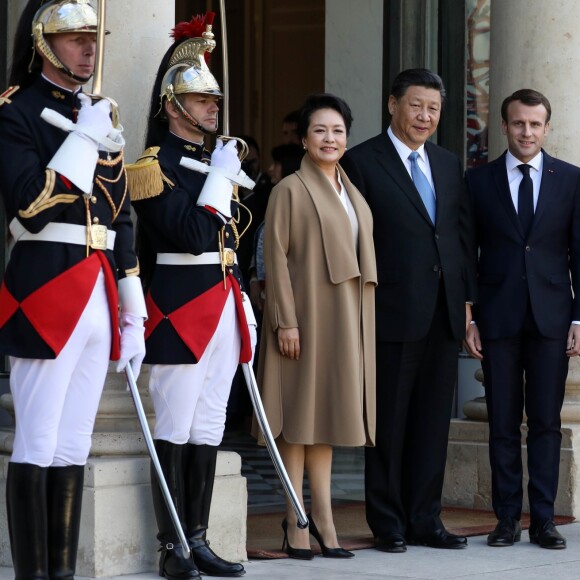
<point x="319" y="101"/>
<point x="528" y="97"/>
<point x="417" y="77"/>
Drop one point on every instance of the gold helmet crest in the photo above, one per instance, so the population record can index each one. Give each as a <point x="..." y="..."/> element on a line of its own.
<point x="187" y="70"/>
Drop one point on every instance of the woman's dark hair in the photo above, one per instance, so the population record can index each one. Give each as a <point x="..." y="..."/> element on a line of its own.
<point x="417" y="77"/>
<point x="22" y="49"/>
<point x="289" y="157"/>
<point x="319" y="101"/>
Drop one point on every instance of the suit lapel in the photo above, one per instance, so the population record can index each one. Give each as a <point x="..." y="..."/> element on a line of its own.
<point x="389" y="159"/>
<point x="548" y="176"/>
<point x="441" y="176"/>
<point x="502" y="185"/>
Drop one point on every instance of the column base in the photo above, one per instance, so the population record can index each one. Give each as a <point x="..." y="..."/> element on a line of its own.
<point x="118" y="525"/>
<point x="468" y="475"/>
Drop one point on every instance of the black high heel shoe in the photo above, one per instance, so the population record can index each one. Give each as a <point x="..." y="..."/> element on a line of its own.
<point x="298" y="553"/>
<point x="327" y="552"/>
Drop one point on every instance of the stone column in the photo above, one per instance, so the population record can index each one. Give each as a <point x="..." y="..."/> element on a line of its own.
<point x="535" y="44"/>
<point x="118" y="527"/>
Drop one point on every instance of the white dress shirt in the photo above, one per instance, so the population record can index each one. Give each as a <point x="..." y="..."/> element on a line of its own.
<point x="422" y="160"/>
<point x="515" y="176"/>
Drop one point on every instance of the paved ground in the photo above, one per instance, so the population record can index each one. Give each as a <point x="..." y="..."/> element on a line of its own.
<point x="477" y="562"/>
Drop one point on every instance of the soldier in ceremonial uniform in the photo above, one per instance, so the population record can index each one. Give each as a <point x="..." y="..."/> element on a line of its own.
<point x="71" y="239"/>
<point x="200" y="324"/>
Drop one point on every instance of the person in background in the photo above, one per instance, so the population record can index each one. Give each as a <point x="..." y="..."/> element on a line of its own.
<point x="316" y="368"/>
<point x="200" y="323"/>
<point x="254" y="201"/>
<point x="290" y="129"/>
<point x="423" y="240"/>
<point x="526" y="324"/>
<point x="71" y="264"/>
<point x="286" y="160"/>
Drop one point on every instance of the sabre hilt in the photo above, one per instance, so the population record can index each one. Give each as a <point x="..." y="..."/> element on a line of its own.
<point x="243" y="148"/>
<point x="114" y="107"/>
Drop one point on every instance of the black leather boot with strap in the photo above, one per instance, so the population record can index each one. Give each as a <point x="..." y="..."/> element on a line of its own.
<point x="173" y="564"/>
<point x="199" y="472"/>
<point x="27" y="522"/>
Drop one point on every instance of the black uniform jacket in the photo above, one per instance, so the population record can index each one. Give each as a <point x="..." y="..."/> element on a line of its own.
<point x="184" y="303"/>
<point x="45" y="287"/>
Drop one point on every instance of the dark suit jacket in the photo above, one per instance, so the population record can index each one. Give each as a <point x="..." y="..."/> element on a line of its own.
<point x="546" y="265"/>
<point x="412" y="254"/>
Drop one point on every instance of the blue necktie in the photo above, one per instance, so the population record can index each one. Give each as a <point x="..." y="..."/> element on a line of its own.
<point x="423" y="186"/>
<point x="526" y="199"/>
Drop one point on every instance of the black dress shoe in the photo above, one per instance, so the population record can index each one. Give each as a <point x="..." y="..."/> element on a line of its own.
<point x="440" y="539"/>
<point x="507" y="531"/>
<point x="547" y="536"/>
<point x="393" y="543"/>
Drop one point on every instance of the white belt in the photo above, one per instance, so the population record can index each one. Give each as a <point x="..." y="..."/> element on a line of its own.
<point x="58" y="232"/>
<point x="205" y="259"/>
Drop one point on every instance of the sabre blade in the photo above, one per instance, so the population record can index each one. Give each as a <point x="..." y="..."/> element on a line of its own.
<point x="154" y="458"/>
<point x="271" y="445"/>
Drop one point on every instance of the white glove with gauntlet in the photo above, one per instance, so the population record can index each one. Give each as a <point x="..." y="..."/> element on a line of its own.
<point x="133" y="315"/>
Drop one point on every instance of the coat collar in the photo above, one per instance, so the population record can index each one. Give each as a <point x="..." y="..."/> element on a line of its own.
<point x="341" y="258"/>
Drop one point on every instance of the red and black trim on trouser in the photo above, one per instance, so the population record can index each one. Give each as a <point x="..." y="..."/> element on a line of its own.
<point x="54" y="309"/>
<point x="196" y="321"/>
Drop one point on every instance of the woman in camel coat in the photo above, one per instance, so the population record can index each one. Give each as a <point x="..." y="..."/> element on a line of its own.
<point x="317" y="366"/>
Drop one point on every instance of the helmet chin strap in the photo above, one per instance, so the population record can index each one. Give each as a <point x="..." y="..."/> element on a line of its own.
<point x="43" y="48"/>
<point x="190" y="119"/>
<point x="80" y="80"/>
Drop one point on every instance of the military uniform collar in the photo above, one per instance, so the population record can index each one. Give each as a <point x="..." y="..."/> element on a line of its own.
<point x="188" y="148"/>
<point x="56" y="93"/>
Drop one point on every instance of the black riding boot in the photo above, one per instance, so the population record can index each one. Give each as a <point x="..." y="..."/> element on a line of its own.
<point x="172" y="564"/>
<point x="26" y="510"/>
<point x="199" y="477"/>
<point x="64" y="500"/>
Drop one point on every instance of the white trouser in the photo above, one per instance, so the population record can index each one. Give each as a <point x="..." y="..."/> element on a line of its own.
<point x="56" y="400"/>
<point x="190" y="400"/>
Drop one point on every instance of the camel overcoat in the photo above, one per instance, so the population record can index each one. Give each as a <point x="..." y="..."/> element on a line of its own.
<point x="316" y="281"/>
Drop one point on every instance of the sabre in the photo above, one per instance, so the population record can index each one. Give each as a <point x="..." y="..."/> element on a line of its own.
<point x="154" y="458"/>
<point x="271" y="444"/>
<point x="100" y="51"/>
<point x="100" y="62"/>
<point x="246" y="368"/>
<point x="257" y="402"/>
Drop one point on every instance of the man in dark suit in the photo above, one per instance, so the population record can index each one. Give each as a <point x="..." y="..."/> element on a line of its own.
<point x="526" y="207"/>
<point x="421" y="230"/>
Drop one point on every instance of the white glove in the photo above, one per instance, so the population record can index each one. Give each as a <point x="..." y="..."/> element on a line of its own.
<point x="226" y="156"/>
<point x="94" y="121"/>
<point x="132" y="343"/>
<point x="116" y="135"/>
